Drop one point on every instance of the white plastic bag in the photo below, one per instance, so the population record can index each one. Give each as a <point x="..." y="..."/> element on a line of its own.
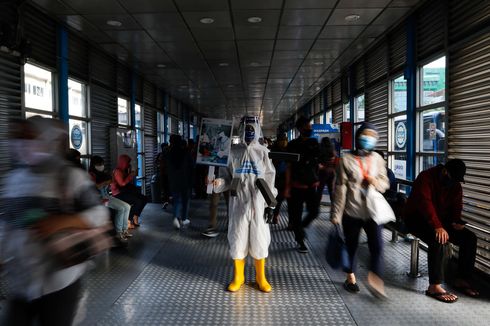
<point x="379" y="209"/>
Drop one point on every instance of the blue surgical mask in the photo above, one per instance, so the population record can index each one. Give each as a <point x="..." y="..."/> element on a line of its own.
<point x="367" y="142"/>
<point x="249" y="136"/>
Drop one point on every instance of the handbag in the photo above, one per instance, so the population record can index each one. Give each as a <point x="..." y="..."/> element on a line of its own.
<point x="67" y="238"/>
<point x="336" y="253"/>
<point x="379" y="209"/>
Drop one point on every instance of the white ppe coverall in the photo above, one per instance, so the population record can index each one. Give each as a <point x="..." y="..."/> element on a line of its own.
<point x="248" y="233"/>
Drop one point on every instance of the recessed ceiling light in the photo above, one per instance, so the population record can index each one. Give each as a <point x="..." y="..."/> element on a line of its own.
<point x="223" y="64"/>
<point x="352" y="18"/>
<point x="254" y="64"/>
<point x="318" y="88"/>
<point x="183" y="86"/>
<point x="207" y="20"/>
<point x="114" y="23"/>
<point x="318" y="63"/>
<point x="231" y="86"/>
<point x="254" y="20"/>
<point x="161" y="65"/>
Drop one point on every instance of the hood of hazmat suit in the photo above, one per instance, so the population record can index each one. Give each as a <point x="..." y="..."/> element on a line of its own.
<point x="248" y="233"/>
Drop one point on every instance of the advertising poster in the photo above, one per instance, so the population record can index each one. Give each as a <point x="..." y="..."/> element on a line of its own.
<point x="214" y="142"/>
<point x="331" y="131"/>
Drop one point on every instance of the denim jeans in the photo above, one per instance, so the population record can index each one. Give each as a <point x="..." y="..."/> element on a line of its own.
<point x="122" y="213"/>
<point x="181" y="203"/>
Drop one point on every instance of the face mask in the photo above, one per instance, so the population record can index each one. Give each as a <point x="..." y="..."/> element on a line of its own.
<point x="367" y="142"/>
<point x="307" y="133"/>
<point x="99" y="168"/>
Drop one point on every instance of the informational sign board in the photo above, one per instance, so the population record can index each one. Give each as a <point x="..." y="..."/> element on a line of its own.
<point x="329" y="130"/>
<point x="400" y="169"/>
<point x="76" y="137"/>
<point x="215" y="142"/>
<point x="401" y="135"/>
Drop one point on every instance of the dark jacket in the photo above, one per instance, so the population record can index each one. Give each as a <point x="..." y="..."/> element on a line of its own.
<point x="432" y="201"/>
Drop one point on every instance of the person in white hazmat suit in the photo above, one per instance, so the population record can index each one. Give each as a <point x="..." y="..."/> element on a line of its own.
<point x="248" y="232"/>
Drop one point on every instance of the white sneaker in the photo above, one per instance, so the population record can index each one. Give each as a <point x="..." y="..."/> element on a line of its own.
<point x="186" y="222"/>
<point x="176" y="223"/>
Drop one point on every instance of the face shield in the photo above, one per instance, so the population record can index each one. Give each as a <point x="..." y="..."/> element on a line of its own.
<point x="250" y="130"/>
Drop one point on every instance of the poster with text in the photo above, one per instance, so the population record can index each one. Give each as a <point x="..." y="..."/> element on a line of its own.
<point x="214" y="142"/>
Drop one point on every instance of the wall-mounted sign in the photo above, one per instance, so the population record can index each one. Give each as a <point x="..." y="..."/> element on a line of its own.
<point x="400" y="169"/>
<point x="76" y="137"/>
<point x="401" y="135"/>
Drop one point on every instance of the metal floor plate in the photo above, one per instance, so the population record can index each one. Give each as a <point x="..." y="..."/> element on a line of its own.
<point x="178" y="277"/>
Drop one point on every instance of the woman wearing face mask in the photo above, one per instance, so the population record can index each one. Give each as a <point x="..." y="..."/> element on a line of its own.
<point x="103" y="181"/>
<point x="356" y="172"/>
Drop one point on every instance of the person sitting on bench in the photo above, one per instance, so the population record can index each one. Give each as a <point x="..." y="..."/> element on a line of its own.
<point x="433" y="214"/>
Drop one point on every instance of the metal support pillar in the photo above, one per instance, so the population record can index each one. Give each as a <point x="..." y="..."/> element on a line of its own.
<point x="411" y="77"/>
<point x="62" y="47"/>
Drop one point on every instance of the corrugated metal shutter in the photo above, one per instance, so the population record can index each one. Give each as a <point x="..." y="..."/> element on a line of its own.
<point x="336" y="91"/>
<point x="317" y="105"/>
<point x="345" y="88"/>
<point x="377" y="112"/>
<point x="467" y="17"/>
<point x="123" y="80"/>
<point x="10" y="104"/>
<point x="337" y="114"/>
<point x="40" y="30"/>
<point x="149" y="93"/>
<point x="103" y="109"/>
<point x="174" y="109"/>
<point x="150" y="117"/>
<point x="377" y="63"/>
<point x="360" y="75"/>
<point x="174" y="126"/>
<point x="78" y="56"/>
<point x="159" y="100"/>
<point x="102" y="69"/>
<point x="469" y="119"/>
<point x="328" y="91"/>
<point x="398" y="48"/>
<point x="430" y="29"/>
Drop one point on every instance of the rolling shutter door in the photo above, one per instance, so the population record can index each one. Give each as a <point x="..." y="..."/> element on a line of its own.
<point x="150" y="117"/>
<point x="149" y="93"/>
<point x="41" y="32"/>
<point x="467" y="17"/>
<point x="430" y="29"/>
<point x="398" y="49"/>
<point x="123" y="80"/>
<point x="103" y="109"/>
<point x="336" y="91"/>
<point x="337" y="113"/>
<point x="174" y="126"/>
<point x="10" y="104"/>
<point x="377" y="63"/>
<point x="360" y="75"/>
<point x="102" y="69"/>
<point x="377" y="112"/>
<point x="78" y="57"/>
<point x="469" y="119"/>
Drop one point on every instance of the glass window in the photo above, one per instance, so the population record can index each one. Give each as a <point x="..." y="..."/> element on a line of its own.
<point x="346" y="109"/>
<point x="359" y="108"/>
<point x="433" y="133"/>
<point x="399" y="94"/>
<point x="77" y="105"/>
<point x="181" y="128"/>
<point x="138" y="116"/>
<point x="123" y="112"/>
<point x="433" y="82"/>
<point x="38" y="91"/>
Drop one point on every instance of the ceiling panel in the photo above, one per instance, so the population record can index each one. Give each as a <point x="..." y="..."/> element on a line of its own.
<point x="135" y="38"/>
<point x="348" y="31"/>
<point x="213" y="34"/>
<point x="306" y="17"/>
<point x="55" y="7"/>
<point x="303" y="4"/>
<point x="363" y="3"/>
<point x="100" y="21"/>
<point x="86" y="7"/>
<point x="256" y="4"/>
<point x="202" y="5"/>
<point x="286" y="45"/>
<point x="366" y="16"/>
<point x="87" y="28"/>
<point x="298" y="32"/>
<point x="221" y="18"/>
<point x="390" y="14"/>
<point x="139" y="6"/>
<point x="255" y="32"/>
<point x="158" y="21"/>
<point x="170" y="35"/>
<point x="269" y="17"/>
<point x="255" y="45"/>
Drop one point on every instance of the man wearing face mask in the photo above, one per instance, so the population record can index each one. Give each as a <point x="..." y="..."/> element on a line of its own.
<point x="433" y="214"/>
<point x="359" y="172"/>
<point x="248" y="232"/>
<point x="302" y="181"/>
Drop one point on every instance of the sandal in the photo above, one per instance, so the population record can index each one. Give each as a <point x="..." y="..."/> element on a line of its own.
<point x="351" y="287"/>
<point x="441" y="296"/>
<point x="468" y="290"/>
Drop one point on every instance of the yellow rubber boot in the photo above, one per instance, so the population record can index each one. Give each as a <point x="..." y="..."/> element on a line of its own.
<point x="239" y="275"/>
<point x="264" y="286"/>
